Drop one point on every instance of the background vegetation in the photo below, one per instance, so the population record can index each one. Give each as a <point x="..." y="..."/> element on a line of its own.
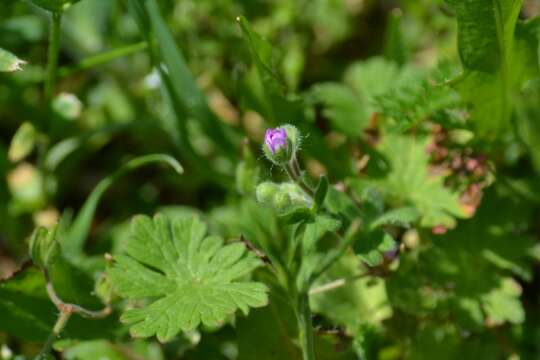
<point x="423" y="112"/>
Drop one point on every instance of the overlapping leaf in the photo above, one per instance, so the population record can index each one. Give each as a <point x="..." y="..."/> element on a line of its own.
<point x="193" y="278"/>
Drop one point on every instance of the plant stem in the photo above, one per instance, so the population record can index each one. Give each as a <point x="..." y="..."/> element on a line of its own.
<point x="289" y="169"/>
<point x="305" y="327"/>
<point x="71" y="308"/>
<point x="336" y="284"/>
<point x="103" y="58"/>
<point x="54" y="49"/>
<point x="60" y="324"/>
<point x="345" y="242"/>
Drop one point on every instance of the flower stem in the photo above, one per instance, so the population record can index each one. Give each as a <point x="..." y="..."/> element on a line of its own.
<point x="297" y="178"/>
<point x="305" y="327"/>
<point x="54" y="49"/>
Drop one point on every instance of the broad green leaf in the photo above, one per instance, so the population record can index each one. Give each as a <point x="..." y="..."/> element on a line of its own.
<point x="73" y="242"/>
<point x="481" y="40"/>
<point x="95" y="349"/>
<point x="278" y="324"/>
<point x="193" y="279"/>
<point x="9" y="62"/>
<point x="408" y="181"/>
<point x="28" y="313"/>
<point x="345" y="110"/>
<point x="108" y="350"/>
<point x="495" y="59"/>
<point x="26" y="310"/>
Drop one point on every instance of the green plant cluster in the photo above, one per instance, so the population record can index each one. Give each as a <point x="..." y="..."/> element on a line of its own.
<point x="263" y="180"/>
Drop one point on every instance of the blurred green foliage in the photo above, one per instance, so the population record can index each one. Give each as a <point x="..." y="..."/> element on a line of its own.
<point x="422" y="114"/>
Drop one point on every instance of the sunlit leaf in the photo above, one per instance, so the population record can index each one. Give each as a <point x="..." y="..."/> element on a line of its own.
<point x="194" y="279"/>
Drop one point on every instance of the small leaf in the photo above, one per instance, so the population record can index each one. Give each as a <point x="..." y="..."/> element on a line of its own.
<point x="297" y="215"/>
<point x="320" y="193"/>
<point x="23" y="142"/>
<point x="9" y="62"/>
<point x="193" y="277"/>
<point x="403" y="217"/>
<point x="372" y="246"/>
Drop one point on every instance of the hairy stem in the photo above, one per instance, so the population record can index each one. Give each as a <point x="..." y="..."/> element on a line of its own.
<point x="59" y="326"/>
<point x="54" y="49"/>
<point x="72" y="308"/>
<point x="335" y="284"/>
<point x="344" y="244"/>
<point x="305" y="327"/>
<point x="297" y="178"/>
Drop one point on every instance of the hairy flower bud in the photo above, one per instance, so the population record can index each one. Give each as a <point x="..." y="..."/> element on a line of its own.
<point x="266" y="191"/>
<point x="281" y="201"/>
<point x="282" y="197"/>
<point x="281" y="144"/>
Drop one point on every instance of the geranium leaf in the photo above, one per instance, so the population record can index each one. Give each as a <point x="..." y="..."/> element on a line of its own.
<point x="192" y="277"/>
<point x="409" y="182"/>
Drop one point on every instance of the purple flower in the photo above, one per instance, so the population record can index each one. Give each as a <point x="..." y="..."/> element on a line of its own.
<point x="275" y="139"/>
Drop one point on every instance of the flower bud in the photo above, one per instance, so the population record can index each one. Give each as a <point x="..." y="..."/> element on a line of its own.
<point x="44" y="249"/>
<point x="281" y="144"/>
<point x="282" y="197"/>
<point x="265" y="192"/>
<point x="281" y="201"/>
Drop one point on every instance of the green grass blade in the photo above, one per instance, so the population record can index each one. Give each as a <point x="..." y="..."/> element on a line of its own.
<point x="78" y="232"/>
<point x="182" y="81"/>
